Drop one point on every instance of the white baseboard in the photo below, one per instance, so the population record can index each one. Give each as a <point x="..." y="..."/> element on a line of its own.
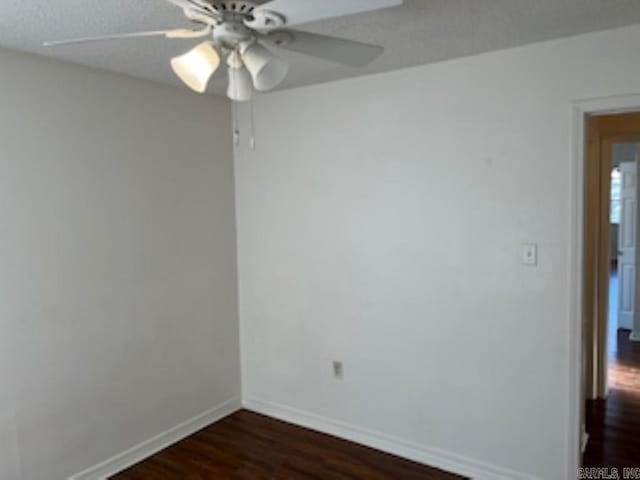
<point x="152" y="446"/>
<point x="635" y="336"/>
<point x="436" y="458"/>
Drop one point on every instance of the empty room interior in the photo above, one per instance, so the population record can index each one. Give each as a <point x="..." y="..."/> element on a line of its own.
<point x="319" y="239"/>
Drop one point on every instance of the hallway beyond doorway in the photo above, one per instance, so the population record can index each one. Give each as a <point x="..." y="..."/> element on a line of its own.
<point x="624" y="355"/>
<point x="612" y="331"/>
<point x="614" y="424"/>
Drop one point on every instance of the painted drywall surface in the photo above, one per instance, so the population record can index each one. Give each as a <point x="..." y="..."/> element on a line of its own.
<point x="117" y="265"/>
<point x="380" y="223"/>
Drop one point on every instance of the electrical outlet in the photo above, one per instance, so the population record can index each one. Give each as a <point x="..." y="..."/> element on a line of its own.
<point x="338" y="369"/>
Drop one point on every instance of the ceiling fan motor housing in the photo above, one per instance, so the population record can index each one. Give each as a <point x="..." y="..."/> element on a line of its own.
<point x="239" y="10"/>
<point x="239" y="19"/>
<point x="265" y="20"/>
<point x="243" y="11"/>
<point x="231" y="34"/>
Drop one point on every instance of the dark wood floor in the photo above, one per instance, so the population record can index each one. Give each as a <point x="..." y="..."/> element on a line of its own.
<point x="249" y="446"/>
<point x="614" y="424"/>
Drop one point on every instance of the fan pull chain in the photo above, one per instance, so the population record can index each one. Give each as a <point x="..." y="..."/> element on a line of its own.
<point x="236" y="128"/>
<point x="253" y="125"/>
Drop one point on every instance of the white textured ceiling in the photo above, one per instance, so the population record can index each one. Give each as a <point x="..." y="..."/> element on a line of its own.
<point x="419" y="32"/>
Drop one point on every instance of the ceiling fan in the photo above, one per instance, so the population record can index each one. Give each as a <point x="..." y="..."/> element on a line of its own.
<point x="245" y="32"/>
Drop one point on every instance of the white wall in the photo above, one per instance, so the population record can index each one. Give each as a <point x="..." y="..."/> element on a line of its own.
<point x="118" y="315"/>
<point x="381" y="222"/>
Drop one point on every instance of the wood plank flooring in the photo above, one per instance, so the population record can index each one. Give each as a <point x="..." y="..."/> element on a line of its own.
<point x="614" y="424"/>
<point x="247" y="446"/>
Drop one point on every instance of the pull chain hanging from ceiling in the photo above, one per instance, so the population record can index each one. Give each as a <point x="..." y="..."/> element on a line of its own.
<point x="232" y="69"/>
<point x="234" y="66"/>
<point x="236" y="125"/>
<point x="253" y="124"/>
<point x="236" y="128"/>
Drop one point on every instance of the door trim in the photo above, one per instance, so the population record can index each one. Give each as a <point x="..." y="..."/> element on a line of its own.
<point x="602" y="130"/>
<point x="576" y="393"/>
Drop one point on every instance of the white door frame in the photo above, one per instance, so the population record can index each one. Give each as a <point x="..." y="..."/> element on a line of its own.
<point x="582" y="108"/>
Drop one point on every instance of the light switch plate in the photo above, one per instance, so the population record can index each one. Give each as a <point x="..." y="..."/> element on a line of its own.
<point x="530" y="254"/>
<point x="338" y="369"/>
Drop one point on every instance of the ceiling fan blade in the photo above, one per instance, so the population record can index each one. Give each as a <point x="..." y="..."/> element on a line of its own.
<point x="337" y="50"/>
<point x="195" y="5"/>
<point x="178" y="34"/>
<point x="198" y="10"/>
<point x="296" y="12"/>
<point x="185" y="33"/>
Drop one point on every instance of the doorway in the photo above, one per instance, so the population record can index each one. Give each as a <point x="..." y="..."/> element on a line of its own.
<point x="611" y="321"/>
<point x="624" y="193"/>
<point x="623" y="280"/>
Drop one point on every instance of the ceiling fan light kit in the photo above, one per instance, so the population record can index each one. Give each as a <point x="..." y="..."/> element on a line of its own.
<point x="197" y="66"/>
<point x="244" y="32"/>
<point x="266" y="69"/>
